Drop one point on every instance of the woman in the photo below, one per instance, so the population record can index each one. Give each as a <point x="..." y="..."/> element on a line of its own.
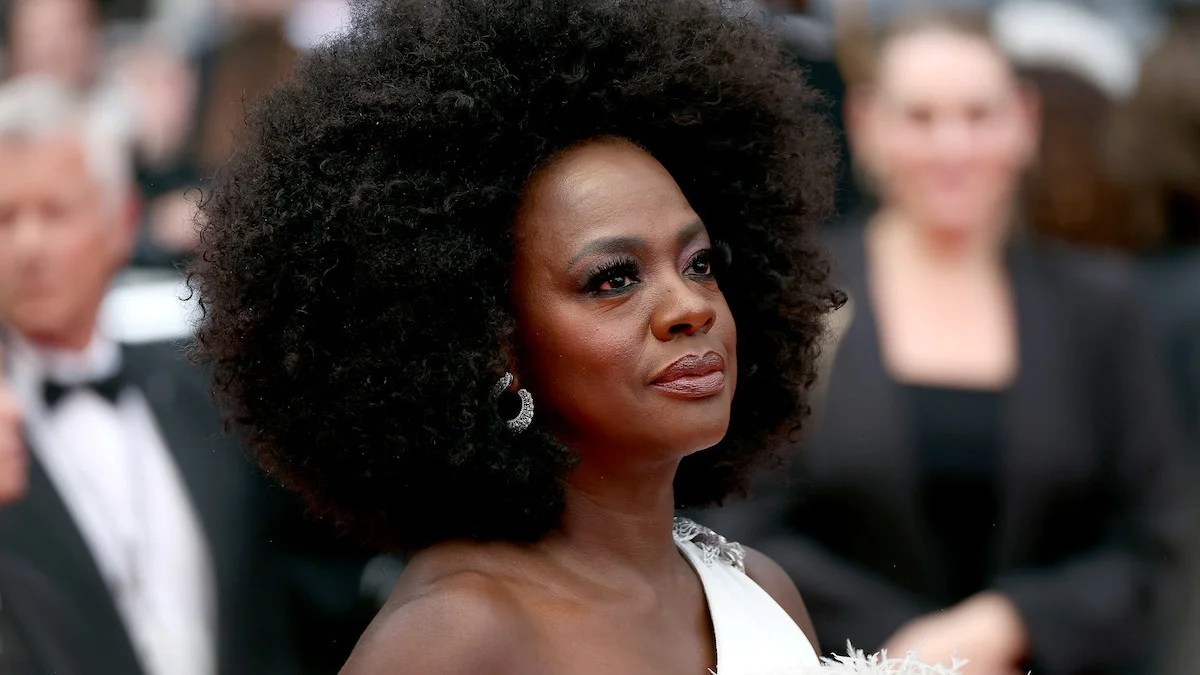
<point x="470" y="288"/>
<point x="994" y="471"/>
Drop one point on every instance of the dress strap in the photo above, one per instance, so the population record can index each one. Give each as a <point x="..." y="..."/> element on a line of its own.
<point x="713" y="546"/>
<point x="754" y="635"/>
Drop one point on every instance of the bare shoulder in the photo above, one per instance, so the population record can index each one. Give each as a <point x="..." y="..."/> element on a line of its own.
<point x="463" y="623"/>
<point x="775" y="581"/>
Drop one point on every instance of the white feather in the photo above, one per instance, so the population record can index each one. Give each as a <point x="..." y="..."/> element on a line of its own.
<point x="856" y="662"/>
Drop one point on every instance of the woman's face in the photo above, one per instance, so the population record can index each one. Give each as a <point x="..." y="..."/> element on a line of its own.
<point x="13" y="459"/>
<point x="625" y="339"/>
<point x="946" y="131"/>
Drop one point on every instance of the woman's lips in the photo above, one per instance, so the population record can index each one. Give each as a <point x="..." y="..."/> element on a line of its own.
<point x="693" y="376"/>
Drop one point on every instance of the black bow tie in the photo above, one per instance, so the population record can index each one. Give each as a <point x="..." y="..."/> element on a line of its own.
<point x="109" y="388"/>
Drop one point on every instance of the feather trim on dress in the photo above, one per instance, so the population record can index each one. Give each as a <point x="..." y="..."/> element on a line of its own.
<point x="857" y="662"/>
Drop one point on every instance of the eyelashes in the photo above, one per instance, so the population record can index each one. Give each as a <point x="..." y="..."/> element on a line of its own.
<point x="620" y="274"/>
<point x="612" y="276"/>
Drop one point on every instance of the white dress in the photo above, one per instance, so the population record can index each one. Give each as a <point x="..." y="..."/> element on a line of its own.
<point x="754" y="635"/>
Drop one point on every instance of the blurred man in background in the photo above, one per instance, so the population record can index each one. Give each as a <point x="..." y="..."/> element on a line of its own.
<point x="137" y="510"/>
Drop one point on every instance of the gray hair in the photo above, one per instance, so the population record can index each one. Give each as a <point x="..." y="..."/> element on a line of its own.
<point x="37" y="107"/>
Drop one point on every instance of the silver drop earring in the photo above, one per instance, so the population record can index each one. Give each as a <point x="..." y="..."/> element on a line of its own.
<point x="525" y="417"/>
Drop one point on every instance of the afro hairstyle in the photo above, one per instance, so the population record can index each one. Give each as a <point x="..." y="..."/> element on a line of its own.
<point x="357" y="248"/>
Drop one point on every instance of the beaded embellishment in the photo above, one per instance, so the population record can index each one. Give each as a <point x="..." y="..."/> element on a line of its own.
<point x="713" y="546"/>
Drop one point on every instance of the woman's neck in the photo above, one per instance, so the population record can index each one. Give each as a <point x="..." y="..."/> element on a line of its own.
<point x="618" y="518"/>
<point x="967" y="249"/>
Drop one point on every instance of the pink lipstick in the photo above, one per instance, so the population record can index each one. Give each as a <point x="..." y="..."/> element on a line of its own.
<point x="693" y="376"/>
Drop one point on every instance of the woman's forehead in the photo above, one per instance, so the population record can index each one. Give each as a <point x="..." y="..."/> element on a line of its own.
<point x="601" y="188"/>
<point x="934" y="62"/>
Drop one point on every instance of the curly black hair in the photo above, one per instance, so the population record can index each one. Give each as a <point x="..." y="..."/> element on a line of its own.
<point x="357" y="249"/>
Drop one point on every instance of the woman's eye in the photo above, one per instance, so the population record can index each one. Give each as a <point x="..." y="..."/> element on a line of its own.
<point x="978" y="113"/>
<point x="615" y="282"/>
<point x="700" y="264"/>
<point x="612" y="278"/>
<point x="920" y="116"/>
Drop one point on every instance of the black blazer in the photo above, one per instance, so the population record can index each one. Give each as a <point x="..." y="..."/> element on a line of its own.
<point x="1091" y="487"/>
<point x="229" y="499"/>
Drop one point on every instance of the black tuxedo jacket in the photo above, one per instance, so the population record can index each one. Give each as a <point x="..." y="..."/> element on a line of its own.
<point x="229" y="498"/>
<point x="40" y="629"/>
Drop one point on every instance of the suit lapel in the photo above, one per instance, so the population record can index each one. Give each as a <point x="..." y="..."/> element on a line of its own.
<point x="40" y="531"/>
<point x="161" y="393"/>
<point x="213" y="471"/>
<point x="207" y="465"/>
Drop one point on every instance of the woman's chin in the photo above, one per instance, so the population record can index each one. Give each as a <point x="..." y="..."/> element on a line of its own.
<point x="959" y="217"/>
<point x="701" y="439"/>
<point x="673" y="437"/>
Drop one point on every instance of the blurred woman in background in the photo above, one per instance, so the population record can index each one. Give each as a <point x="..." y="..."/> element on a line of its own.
<point x="992" y="468"/>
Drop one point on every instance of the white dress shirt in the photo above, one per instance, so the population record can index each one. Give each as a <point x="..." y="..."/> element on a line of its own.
<point x="113" y="470"/>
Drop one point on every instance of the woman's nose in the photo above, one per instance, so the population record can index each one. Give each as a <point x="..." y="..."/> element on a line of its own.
<point x="683" y="310"/>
